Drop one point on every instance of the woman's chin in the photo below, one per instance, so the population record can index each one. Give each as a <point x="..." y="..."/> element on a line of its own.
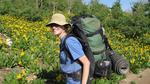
<point x="56" y="34"/>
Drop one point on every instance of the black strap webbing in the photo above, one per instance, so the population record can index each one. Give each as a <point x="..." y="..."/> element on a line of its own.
<point x="66" y="51"/>
<point x="100" y="31"/>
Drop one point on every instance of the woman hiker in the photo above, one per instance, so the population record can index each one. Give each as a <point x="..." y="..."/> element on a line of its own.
<point x="75" y="73"/>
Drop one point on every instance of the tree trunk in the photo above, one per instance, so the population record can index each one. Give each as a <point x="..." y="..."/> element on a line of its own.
<point x="69" y="6"/>
<point x="37" y="4"/>
<point x="54" y="7"/>
<point x="41" y="3"/>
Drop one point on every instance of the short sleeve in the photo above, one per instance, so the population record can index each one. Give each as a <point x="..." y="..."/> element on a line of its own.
<point x="75" y="47"/>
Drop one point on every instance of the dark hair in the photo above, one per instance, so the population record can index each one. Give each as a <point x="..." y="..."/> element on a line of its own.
<point x="67" y="28"/>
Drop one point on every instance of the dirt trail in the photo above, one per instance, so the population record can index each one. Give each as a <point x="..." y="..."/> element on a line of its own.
<point x="3" y="72"/>
<point x="142" y="78"/>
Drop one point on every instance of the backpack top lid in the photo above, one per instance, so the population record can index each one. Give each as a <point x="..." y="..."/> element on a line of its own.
<point x="90" y="24"/>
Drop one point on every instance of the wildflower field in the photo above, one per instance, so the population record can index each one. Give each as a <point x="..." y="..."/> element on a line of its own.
<point x="36" y="50"/>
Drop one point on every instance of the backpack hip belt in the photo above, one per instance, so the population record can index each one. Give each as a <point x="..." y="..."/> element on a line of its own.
<point x="75" y="75"/>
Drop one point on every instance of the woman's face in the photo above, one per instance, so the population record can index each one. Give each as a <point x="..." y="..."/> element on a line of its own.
<point x="57" y="29"/>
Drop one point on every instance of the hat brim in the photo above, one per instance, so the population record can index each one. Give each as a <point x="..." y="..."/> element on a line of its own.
<point x="49" y="24"/>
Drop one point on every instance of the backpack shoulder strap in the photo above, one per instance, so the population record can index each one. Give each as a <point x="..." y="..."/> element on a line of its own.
<point x="65" y="49"/>
<point x="105" y="38"/>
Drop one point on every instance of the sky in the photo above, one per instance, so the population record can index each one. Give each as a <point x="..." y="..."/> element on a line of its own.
<point x="125" y="4"/>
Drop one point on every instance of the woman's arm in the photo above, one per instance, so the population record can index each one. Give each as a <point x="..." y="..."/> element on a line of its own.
<point x="86" y="67"/>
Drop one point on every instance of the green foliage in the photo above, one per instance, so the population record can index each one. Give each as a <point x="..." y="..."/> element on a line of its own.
<point x="1" y="27"/>
<point x="76" y="5"/>
<point x="38" y="81"/>
<point x="131" y="25"/>
<point x="36" y="49"/>
<point x="23" y="8"/>
<point x="11" y="78"/>
<point x="145" y="39"/>
<point x="114" y="79"/>
<point x="135" y="25"/>
<point x="147" y="9"/>
<point x="116" y="10"/>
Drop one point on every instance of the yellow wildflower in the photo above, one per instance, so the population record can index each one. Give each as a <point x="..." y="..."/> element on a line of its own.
<point x="126" y="48"/>
<point x="19" y="76"/>
<point x="25" y="37"/>
<point x="23" y="72"/>
<point x="22" y="53"/>
<point x="141" y="51"/>
<point x="132" y="61"/>
<point x="20" y="62"/>
<point x="1" y="41"/>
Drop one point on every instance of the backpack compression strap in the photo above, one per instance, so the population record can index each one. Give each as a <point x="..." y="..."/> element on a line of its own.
<point x="100" y="31"/>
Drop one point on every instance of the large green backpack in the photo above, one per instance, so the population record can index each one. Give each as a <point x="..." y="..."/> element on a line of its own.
<point x="89" y="27"/>
<point x="91" y="34"/>
<point x="88" y="30"/>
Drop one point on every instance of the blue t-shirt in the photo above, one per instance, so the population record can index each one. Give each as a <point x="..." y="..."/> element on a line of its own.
<point x="76" y="51"/>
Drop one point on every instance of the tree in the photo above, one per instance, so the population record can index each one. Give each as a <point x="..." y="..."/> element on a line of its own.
<point x="116" y="10"/>
<point x="78" y="7"/>
<point x="99" y="10"/>
<point x="137" y="24"/>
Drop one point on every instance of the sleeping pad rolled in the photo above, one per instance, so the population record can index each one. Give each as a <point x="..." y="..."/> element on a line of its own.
<point x="119" y="64"/>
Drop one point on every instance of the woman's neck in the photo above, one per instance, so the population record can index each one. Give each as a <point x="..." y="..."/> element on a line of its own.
<point x="62" y="35"/>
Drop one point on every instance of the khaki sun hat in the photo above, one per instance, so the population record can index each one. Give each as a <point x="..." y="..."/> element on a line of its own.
<point x="58" y="19"/>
